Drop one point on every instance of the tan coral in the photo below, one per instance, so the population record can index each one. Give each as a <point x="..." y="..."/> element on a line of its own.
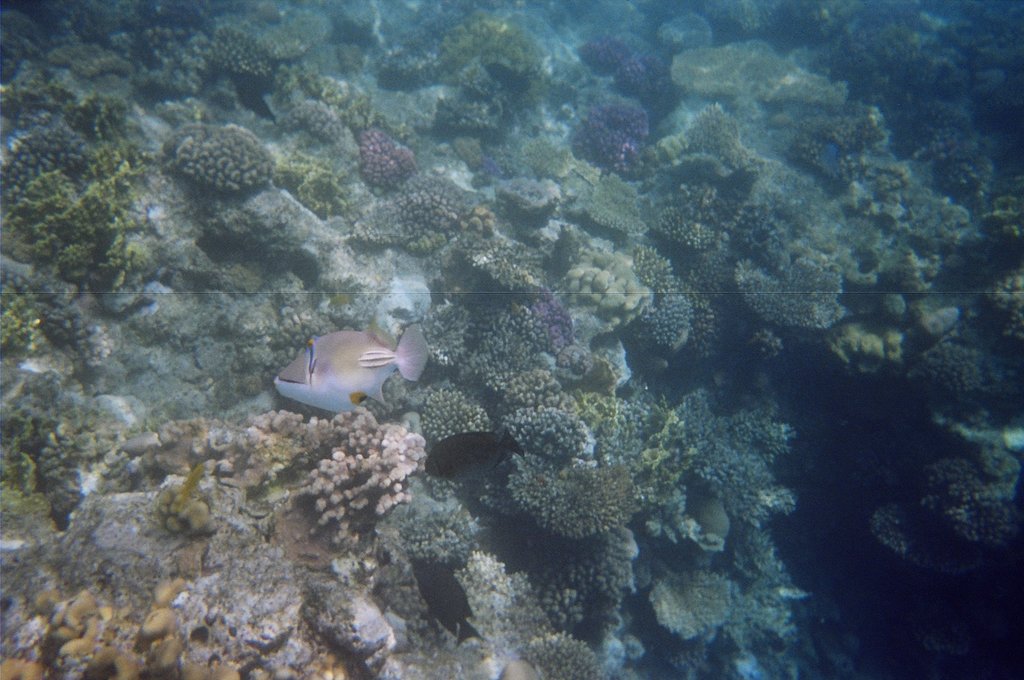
<point x="864" y="349"/>
<point x="605" y="282"/>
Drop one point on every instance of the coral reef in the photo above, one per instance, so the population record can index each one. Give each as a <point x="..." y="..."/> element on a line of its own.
<point x="605" y="283"/>
<point x="804" y="296"/>
<point x="365" y="475"/>
<point x="693" y="605"/>
<point x="631" y="268"/>
<point x="383" y="163"/>
<point x="612" y="136"/>
<point x="575" y="502"/>
<point x="221" y="159"/>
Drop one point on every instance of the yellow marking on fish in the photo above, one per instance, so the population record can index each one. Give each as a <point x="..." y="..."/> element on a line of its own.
<point x="358" y="398"/>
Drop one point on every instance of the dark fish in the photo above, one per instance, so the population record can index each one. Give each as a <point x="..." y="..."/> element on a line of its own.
<point x="250" y="91"/>
<point x="458" y="453"/>
<point x="445" y="598"/>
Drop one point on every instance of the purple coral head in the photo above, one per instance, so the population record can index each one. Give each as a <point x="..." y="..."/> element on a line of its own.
<point x="604" y="54"/>
<point x="644" y="76"/>
<point x="554" y="318"/>
<point x="384" y="163"/>
<point x="611" y="136"/>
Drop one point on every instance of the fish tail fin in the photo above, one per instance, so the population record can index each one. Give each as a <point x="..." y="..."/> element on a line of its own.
<point x="411" y="355"/>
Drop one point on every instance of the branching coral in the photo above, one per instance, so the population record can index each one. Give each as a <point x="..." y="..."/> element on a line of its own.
<point x="365" y="476"/>
<point x="504" y="50"/>
<point x="803" y="296"/>
<point x="449" y="411"/>
<point x="548" y="432"/>
<point x="575" y="502"/>
<point x="383" y="162"/>
<point x="81" y="233"/>
<point x="611" y="136"/>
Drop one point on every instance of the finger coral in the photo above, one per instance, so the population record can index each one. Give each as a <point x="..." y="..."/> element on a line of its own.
<point x="224" y="159"/>
<point x="365" y="476"/>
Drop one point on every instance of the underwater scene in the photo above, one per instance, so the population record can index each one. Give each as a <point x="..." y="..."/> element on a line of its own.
<point x="518" y="340"/>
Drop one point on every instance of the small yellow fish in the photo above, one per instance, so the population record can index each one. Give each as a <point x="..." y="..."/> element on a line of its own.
<point x="338" y="371"/>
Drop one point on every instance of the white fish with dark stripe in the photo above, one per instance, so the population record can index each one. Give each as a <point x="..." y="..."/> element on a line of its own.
<point x="338" y="371"/>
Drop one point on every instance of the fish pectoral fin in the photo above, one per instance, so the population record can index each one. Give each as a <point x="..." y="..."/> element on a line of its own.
<point x="376" y="358"/>
<point x="358" y="398"/>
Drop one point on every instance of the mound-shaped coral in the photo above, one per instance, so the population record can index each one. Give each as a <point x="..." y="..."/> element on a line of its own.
<point x="383" y="162"/>
<point x="222" y="159"/>
<point x="606" y="283"/>
<point x="611" y="136"/>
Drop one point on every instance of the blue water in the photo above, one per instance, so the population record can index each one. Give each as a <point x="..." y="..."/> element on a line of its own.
<point x="744" y="280"/>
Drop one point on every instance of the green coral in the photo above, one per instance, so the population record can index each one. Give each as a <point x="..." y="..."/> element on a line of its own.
<point x="19" y="325"/>
<point x="98" y="116"/>
<point x="353" y="107"/>
<point x="83" y="232"/>
<point x="617" y="425"/>
<point x="183" y="509"/>
<point x="313" y="183"/>
<point x="547" y="159"/>
<point x="503" y="49"/>
<point x="664" y="459"/>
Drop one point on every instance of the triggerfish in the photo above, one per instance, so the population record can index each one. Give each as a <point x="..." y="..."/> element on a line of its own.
<point x="338" y="371"/>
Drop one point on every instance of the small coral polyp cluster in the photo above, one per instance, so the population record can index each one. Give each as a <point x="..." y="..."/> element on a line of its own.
<point x="680" y="274"/>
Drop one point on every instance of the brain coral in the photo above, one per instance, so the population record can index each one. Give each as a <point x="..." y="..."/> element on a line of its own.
<point x="225" y="159"/>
